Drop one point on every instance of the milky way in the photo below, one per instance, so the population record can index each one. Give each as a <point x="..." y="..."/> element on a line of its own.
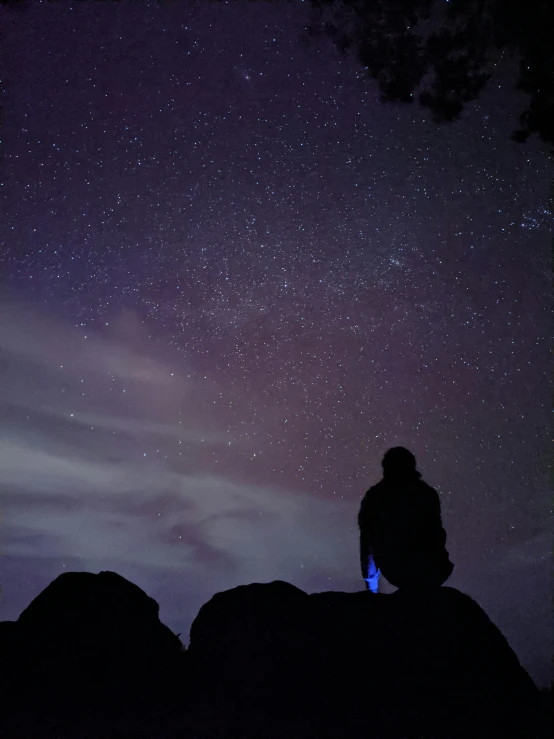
<point x="232" y="278"/>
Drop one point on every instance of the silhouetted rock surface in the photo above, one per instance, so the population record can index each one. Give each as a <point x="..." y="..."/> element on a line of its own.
<point x="89" y="649"/>
<point x="281" y="662"/>
<point x="89" y="657"/>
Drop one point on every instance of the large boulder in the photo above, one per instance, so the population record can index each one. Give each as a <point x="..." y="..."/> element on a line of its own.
<point x="98" y="610"/>
<point x="270" y="659"/>
<point x="246" y="645"/>
<point x="90" y="658"/>
<point x="88" y="648"/>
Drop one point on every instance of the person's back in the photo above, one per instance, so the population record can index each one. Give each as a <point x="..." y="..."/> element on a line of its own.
<point x="401" y="530"/>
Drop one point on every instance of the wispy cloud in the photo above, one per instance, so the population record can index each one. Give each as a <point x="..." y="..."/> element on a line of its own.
<point x="92" y="469"/>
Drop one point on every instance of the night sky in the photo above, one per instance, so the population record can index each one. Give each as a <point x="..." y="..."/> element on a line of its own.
<point x="231" y="279"/>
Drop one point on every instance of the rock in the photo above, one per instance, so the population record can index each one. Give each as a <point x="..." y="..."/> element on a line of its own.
<point x="98" y="608"/>
<point x="275" y="659"/>
<point x="91" y="646"/>
<point x="89" y="657"/>
<point x="245" y="646"/>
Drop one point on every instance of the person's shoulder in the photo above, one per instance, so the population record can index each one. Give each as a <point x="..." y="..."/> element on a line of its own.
<point x="375" y="489"/>
<point x="424" y="485"/>
<point x="425" y="489"/>
<point x="372" y="492"/>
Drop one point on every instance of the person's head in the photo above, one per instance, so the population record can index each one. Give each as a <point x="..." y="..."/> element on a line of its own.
<point x="399" y="463"/>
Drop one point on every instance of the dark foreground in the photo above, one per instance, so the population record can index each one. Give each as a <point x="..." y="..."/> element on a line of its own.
<point x="90" y="658"/>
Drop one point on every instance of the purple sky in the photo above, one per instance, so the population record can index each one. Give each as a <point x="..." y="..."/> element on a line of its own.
<point x="231" y="279"/>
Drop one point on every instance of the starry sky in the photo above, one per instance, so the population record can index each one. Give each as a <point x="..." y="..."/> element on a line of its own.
<point x="231" y="279"/>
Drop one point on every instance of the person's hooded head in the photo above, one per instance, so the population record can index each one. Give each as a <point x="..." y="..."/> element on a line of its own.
<point x="399" y="465"/>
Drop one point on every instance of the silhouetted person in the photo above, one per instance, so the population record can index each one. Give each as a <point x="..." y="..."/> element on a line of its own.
<point x="401" y="532"/>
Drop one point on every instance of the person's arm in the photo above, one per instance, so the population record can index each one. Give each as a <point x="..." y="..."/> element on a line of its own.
<point x="365" y="539"/>
<point x="365" y="551"/>
<point x="434" y="502"/>
<point x="370" y="571"/>
<point x="434" y="507"/>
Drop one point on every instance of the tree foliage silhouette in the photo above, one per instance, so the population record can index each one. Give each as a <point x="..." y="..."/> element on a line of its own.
<point x="443" y="53"/>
